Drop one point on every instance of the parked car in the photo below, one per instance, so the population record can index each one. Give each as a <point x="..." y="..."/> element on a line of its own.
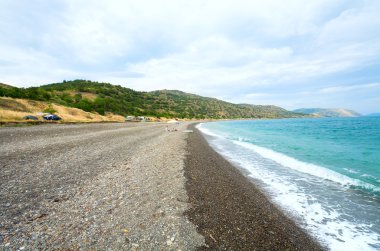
<point x="27" y="117"/>
<point x="51" y="117"/>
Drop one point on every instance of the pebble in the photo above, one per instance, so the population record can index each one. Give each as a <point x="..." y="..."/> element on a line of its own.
<point x="213" y="182"/>
<point x="143" y="199"/>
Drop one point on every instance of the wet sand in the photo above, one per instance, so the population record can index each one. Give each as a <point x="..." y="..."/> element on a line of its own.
<point x="230" y="211"/>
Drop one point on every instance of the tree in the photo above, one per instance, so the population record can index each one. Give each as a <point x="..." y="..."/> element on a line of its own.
<point x="50" y="109"/>
<point x="77" y="97"/>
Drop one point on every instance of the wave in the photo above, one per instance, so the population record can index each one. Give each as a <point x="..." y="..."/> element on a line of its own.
<point x="315" y="205"/>
<point x="206" y="131"/>
<point x="307" y="168"/>
<point x="295" y="164"/>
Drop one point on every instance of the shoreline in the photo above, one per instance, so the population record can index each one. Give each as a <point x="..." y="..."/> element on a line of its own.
<point x="148" y="189"/>
<point x="230" y="211"/>
<point x="94" y="187"/>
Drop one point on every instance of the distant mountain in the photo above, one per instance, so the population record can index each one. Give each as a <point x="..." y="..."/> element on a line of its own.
<point x="328" y="112"/>
<point x="104" y="97"/>
<point x="374" y="114"/>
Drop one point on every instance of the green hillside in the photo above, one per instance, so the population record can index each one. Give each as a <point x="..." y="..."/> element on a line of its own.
<point x="328" y="112"/>
<point x="104" y="97"/>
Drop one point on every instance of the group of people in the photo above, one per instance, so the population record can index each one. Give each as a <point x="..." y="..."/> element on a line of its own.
<point x="171" y="129"/>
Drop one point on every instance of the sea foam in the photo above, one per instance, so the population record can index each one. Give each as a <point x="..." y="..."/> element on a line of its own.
<point x="326" y="221"/>
<point x="308" y="168"/>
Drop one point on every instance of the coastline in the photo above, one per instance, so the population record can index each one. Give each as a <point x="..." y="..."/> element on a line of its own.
<point x="148" y="189"/>
<point x="94" y="187"/>
<point x="230" y="211"/>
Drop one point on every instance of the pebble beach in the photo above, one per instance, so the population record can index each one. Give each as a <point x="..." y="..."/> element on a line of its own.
<point x="132" y="186"/>
<point x="230" y="211"/>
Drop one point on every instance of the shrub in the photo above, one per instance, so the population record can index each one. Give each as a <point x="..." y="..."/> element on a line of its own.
<point x="50" y="109"/>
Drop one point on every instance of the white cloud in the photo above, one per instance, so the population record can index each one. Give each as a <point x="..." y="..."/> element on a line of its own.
<point x="354" y="25"/>
<point x="213" y="48"/>
<point x="349" y="88"/>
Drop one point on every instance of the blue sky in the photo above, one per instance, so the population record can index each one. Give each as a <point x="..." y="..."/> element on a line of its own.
<point x="295" y="53"/>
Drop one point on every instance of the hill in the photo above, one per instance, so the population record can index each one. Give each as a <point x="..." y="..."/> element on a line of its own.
<point x="5" y="85"/>
<point x="104" y="97"/>
<point x="272" y="111"/>
<point x="328" y="112"/>
<point x="13" y="110"/>
<point x="190" y="105"/>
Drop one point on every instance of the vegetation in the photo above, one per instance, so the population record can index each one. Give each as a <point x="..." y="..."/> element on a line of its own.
<point x="104" y="97"/>
<point x="329" y="112"/>
<point x="50" y="109"/>
<point x="14" y="110"/>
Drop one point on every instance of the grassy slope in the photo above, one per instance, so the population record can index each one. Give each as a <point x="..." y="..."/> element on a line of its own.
<point x="191" y="105"/>
<point x="104" y="97"/>
<point x="13" y="110"/>
<point x="329" y="112"/>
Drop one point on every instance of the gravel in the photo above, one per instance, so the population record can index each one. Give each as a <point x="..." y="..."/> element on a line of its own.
<point x="94" y="186"/>
<point x="230" y="211"/>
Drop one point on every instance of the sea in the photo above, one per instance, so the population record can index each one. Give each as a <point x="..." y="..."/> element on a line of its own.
<point x="323" y="173"/>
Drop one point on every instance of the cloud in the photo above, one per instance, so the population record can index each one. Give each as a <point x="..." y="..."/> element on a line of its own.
<point x="210" y="63"/>
<point x="349" y="88"/>
<point x="214" y="48"/>
<point x="354" y="25"/>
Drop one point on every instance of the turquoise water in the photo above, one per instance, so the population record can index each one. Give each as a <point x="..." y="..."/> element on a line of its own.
<point x="324" y="172"/>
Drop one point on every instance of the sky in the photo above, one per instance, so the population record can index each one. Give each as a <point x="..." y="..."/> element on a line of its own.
<point x="294" y="53"/>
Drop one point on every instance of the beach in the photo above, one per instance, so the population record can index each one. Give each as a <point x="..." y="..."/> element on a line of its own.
<point x="117" y="186"/>
<point x="230" y="211"/>
<point x="132" y="186"/>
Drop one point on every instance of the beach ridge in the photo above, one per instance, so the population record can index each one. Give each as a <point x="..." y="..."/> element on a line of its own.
<point x="230" y="211"/>
<point x="131" y="186"/>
